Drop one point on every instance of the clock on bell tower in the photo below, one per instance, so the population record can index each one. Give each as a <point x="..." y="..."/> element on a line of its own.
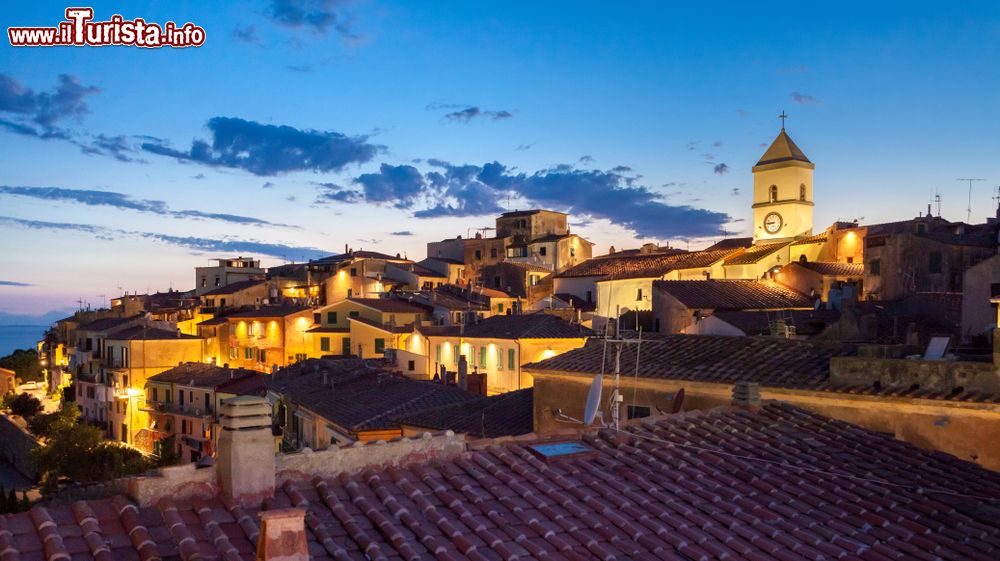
<point x="782" y="191"/>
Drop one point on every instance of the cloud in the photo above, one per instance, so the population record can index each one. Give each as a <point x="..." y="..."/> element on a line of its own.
<point x="742" y="113"/>
<point x="734" y="192"/>
<point x="39" y="114"/>
<point x="267" y="150"/>
<point x="199" y="176"/>
<point x="586" y="159"/>
<point x="803" y="99"/>
<point x="91" y="197"/>
<point x="471" y="190"/>
<point x="13" y="283"/>
<point x="246" y="34"/>
<point x="721" y="169"/>
<point x="117" y="147"/>
<point x="320" y="16"/>
<point x="467" y="113"/>
<point x="300" y="68"/>
<point x="267" y="185"/>
<point x="717" y="144"/>
<point x="524" y="147"/>
<point x="225" y="245"/>
<point x="401" y="233"/>
<point x="400" y="185"/>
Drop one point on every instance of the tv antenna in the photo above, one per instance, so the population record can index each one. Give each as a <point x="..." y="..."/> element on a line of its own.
<point x="968" y="213"/>
<point x="937" y="200"/>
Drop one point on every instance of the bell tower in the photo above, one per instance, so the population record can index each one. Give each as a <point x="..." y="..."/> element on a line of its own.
<point x="782" y="191"/>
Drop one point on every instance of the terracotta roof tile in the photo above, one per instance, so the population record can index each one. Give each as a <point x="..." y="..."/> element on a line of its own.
<point x="755" y="254"/>
<point x="391" y="305"/>
<point x="782" y="483"/>
<point x="733" y="294"/>
<point x="651" y="265"/>
<point x="508" y="414"/>
<point x="833" y="269"/>
<point x="526" y="326"/>
<point x="269" y="311"/>
<point x="234" y="287"/>
<point x="202" y="375"/>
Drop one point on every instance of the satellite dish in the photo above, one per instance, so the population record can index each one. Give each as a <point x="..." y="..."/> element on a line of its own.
<point x="593" y="399"/>
<point x="678" y="402"/>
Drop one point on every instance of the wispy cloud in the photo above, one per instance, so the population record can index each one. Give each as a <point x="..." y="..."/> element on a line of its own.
<point x="92" y="197"/>
<point x="524" y="147"/>
<point x="267" y="150"/>
<point x="467" y="113"/>
<point x="299" y="68"/>
<point x="14" y="283"/>
<point x="803" y="99"/>
<point x="401" y="233"/>
<point x="721" y="169"/>
<point x="246" y="34"/>
<point x="319" y="16"/>
<point x="221" y="245"/>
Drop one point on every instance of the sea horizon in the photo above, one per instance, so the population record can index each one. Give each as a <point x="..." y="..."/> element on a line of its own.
<point x="13" y="337"/>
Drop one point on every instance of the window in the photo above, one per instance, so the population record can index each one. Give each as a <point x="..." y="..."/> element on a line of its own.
<point x="875" y="267"/>
<point x="234" y="353"/>
<point x="499" y="358"/>
<point x="541" y="251"/>
<point x="437" y="353"/>
<point x="638" y="294"/>
<point x="510" y="359"/>
<point x="379" y="346"/>
<point x="354" y="271"/>
<point x="345" y="346"/>
<point x="411" y="365"/>
<point x="493" y="252"/>
<point x="331" y="318"/>
<point x="354" y="314"/>
<point x="802" y="192"/>
<point x="218" y="281"/>
<point x="184" y="426"/>
<point x="773" y="193"/>
<point x="180" y="398"/>
<point x="572" y="251"/>
<point x="350" y="292"/>
<point x="482" y="357"/>
<point x="324" y="344"/>
<point x="533" y="280"/>
<point x="125" y="357"/>
<point x="262" y="356"/>
<point x="850" y="260"/>
<point x="590" y="297"/>
<point x="637" y="411"/>
<point x="934" y="262"/>
<point x="204" y="282"/>
<point x="500" y="308"/>
<point x="124" y="433"/>
<point x="479" y="255"/>
<point x="251" y="328"/>
<point x="317" y="317"/>
<point x="299" y="357"/>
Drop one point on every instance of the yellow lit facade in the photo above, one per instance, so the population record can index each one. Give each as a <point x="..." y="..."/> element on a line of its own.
<point x="264" y="342"/>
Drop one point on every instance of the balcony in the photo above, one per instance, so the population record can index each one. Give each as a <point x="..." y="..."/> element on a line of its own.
<point x="164" y="407"/>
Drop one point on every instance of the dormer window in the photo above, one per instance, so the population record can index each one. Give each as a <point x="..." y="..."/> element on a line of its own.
<point x="802" y="192"/>
<point x="774" y="193"/>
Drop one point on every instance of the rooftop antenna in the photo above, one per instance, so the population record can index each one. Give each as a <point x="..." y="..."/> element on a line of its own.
<point x="968" y="212"/>
<point x="937" y="200"/>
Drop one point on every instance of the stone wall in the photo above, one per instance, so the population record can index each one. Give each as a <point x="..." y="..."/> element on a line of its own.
<point x="934" y="375"/>
<point x="16" y="445"/>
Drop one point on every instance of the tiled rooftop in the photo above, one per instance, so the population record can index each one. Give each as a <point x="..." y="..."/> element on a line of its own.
<point x="780" y="484"/>
<point x="731" y="243"/>
<point x="359" y="398"/>
<point x="733" y="294"/>
<point x="818" y="238"/>
<point x="202" y="375"/>
<point x="391" y="305"/>
<point x="770" y="361"/>
<point x="651" y="265"/>
<point x="105" y="324"/>
<point x="756" y="253"/>
<point x="526" y="326"/>
<point x="508" y="414"/>
<point x="834" y="269"/>
<point x="806" y="322"/>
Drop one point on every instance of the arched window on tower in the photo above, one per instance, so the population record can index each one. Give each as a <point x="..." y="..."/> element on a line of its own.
<point x="802" y="192"/>
<point x="774" y="193"/>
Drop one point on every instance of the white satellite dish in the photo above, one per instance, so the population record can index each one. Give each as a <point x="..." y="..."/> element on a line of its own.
<point x="593" y="399"/>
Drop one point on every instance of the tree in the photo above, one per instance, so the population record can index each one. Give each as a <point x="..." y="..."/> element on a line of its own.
<point x="24" y="363"/>
<point x="25" y="405"/>
<point x="166" y="451"/>
<point x="80" y="453"/>
<point x="44" y="425"/>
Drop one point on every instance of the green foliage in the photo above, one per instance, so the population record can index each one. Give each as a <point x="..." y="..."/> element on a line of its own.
<point x="44" y="425"/>
<point x="80" y="453"/>
<point x="25" y="405"/>
<point x="24" y="363"/>
<point x="166" y="451"/>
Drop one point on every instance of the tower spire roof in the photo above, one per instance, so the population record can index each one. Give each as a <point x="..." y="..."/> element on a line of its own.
<point x="783" y="149"/>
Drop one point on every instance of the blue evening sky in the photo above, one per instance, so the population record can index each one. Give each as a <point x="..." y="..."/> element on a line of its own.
<point x="304" y="125"/>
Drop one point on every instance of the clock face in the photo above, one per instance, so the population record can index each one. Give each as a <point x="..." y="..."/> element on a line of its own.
<point x="772" y="223"/>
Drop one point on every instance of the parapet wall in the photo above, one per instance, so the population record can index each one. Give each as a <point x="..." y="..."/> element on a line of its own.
<point x="186" y="481"/>
<point x="933" y="375"/>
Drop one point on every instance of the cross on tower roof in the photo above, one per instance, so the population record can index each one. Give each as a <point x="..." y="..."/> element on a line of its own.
<point x="783" y="116"/>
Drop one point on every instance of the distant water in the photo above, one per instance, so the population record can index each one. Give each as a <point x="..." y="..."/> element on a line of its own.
<point x="19" y="337"/>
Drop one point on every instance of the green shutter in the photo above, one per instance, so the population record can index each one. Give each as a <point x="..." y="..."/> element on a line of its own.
<point x="437" y="354"/>
<point x="482" y="357"/>
<point x="324" y="343"/>
<point x="331" y="318"/>
<point x="346" y="346"/>
<point x="499" y="358"/>
<point x="510" y="358"/>
<point x="379" y="346"/>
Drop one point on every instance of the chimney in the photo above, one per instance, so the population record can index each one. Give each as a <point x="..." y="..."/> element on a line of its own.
<point x="246" y="450"/>
<point x="746" y="395"/>
<point x="463" y="373"/>
<point x="282" y="535"/>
